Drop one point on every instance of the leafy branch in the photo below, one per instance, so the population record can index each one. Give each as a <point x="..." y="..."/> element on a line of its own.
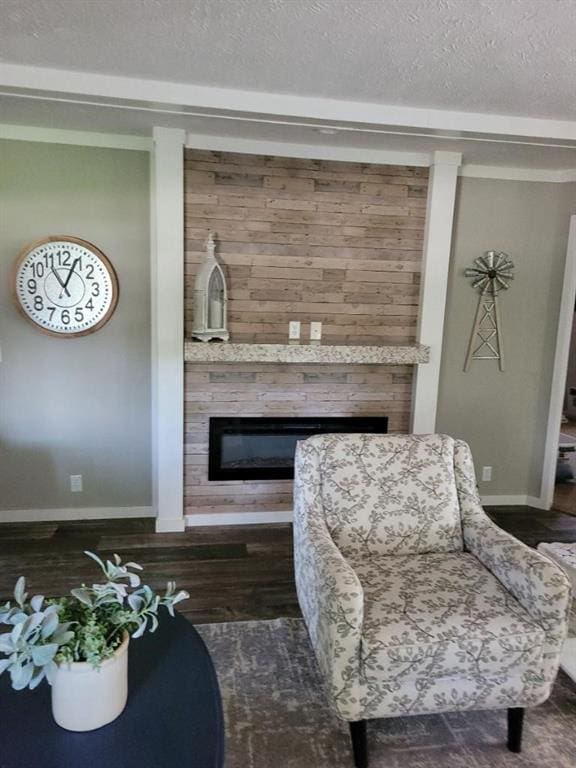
<point x="88" y="626"/>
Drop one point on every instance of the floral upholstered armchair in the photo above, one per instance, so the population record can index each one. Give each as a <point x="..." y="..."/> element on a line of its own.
<point x="415" y="602"/>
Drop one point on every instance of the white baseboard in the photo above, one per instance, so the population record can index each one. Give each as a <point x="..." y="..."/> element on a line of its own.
<point x="509" y="500"/>
<point x="255" y="518"/>
<point x="239" y="518"/>
<point x="72" y="513"/>
<point x="537" y="501"/>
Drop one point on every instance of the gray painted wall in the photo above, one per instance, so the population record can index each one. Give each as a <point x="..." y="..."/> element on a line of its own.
<point x="503" y="415"/>
<point x="76" y="406"/>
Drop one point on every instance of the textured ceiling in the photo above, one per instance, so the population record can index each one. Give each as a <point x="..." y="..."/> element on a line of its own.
<point x="500" y="56"/>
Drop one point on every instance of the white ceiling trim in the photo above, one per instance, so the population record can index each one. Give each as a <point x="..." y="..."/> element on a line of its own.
<point x="80" y="138"/>
<point x="279" y="149"/>
<point x="517" y="174"/>
<point x="365" y="155"/>
<point x="41" y="79"/>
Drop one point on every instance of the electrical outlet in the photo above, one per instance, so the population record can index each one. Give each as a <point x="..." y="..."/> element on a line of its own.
<point x="76" y="483"/>
<point x="315" y="331"/>
<point x="486" y="474"/>
<point x="294" y="330"/>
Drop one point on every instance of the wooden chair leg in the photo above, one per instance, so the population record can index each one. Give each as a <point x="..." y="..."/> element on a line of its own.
<point x="359" y="743"/>
<point x="515" y="723"/>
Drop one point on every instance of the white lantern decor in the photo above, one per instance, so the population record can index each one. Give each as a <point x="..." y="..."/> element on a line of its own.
<point x="210" y="298"/>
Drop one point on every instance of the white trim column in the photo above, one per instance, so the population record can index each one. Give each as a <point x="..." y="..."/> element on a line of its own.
<point x="167" y="297"/>
<point x="435" y="264"/>
<point x="559" y="373"/>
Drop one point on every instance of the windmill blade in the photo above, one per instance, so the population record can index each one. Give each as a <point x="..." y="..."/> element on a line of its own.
<point x="481" y="282"/>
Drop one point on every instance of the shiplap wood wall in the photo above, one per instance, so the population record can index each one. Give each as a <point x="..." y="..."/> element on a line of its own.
<point x="309" y="240"/>
<point x="221" y="389"/>
<point x="300" y="240"/>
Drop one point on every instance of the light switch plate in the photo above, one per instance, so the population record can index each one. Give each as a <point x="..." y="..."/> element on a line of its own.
<point x="315" y="331"/>
<point x="294" y="330"/>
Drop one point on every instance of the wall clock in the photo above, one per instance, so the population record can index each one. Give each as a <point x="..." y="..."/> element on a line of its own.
<point x="65" y="286"/>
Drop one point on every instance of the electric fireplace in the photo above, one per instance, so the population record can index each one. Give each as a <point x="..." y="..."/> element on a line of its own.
<point x="263" y="448"/>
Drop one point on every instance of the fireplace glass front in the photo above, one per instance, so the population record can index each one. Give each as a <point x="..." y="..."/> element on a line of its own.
<point x="262" y="448"/>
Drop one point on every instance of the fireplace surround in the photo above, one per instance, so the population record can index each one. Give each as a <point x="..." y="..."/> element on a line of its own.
<point x="262" y="448"/>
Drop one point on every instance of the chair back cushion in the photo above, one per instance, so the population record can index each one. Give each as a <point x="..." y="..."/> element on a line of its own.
<point x="389" y="494"/>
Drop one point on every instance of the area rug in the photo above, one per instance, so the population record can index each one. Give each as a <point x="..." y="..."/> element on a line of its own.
<point x="277" y="716"/>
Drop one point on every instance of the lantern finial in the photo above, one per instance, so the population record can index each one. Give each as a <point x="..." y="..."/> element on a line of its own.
<point x="211" y="245"/>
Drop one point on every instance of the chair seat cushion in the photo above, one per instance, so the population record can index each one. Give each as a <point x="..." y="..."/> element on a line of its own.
<point x="440" y="615"/>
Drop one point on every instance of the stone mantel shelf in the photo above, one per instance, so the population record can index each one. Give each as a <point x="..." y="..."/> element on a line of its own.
<point x="225" y="352"/>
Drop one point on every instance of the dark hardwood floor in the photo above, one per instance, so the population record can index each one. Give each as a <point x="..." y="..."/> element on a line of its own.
<point x="232" y="573"/>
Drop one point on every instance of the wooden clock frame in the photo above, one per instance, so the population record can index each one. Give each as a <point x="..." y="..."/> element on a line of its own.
<point x="24" y="252"/>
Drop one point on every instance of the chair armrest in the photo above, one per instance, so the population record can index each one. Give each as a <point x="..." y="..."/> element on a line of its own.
<point x="329" y="592"/>
<point x="537" y="583"/>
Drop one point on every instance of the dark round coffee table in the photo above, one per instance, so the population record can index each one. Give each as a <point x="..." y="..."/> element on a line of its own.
<point x="173" y="718"/>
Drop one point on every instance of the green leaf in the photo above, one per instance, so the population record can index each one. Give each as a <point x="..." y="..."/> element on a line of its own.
<point x="5" y="611"/>
<point x="141" y="629"/>
<point x="21" y="676"/>
<point x="4" y="664"/>
<point x="6" y="644"/>
<point x="37" y="678"/>
<point x="43" y="654"/>
<point x="83" y="595"/>
<point x="17" y="617"/>
<point x="36" y="602"/>
<point x="16" y="632"/>
<point x="49" y="625"/>
<point x="95" y="558"/>
<point x="19" y="594"/>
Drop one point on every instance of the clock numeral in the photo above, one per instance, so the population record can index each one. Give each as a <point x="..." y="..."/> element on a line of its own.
<point x="38" y="303"/>
<point x="65" y="316"/>
<point x="32" y="285"/>
<point x="49" y="260"/>
<point x="78" y="315"/>
<point x="51" y="310"/>
<point x="38" y="269"/>
<point x="64" y="258"/>
<point x="89" y="272"/>
<point x="95" y="289"/>
<point x="89" y="305"/>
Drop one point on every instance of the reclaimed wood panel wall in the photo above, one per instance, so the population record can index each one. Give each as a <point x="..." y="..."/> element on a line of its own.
<point x="300" y="240"/>
<point x="309" y="240"/>
<point x="222" y="389"/>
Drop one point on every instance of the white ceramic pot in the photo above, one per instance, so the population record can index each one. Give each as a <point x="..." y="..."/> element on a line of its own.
<point x="84" y="698"/>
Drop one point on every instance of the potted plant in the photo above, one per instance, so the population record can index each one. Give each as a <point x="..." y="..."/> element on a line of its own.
<point x="80" y="643"/>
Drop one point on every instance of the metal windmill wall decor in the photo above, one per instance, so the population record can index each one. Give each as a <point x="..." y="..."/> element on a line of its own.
<point x="490" y="274"/>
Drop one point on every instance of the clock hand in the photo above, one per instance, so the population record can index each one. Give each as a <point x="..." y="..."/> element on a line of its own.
<point x="57" y="276"/>
<point x="65" y="286"/>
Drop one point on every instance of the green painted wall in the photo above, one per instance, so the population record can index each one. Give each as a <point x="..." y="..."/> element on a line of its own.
<point x="503" y="415"/>
<point x="76" y="406"/>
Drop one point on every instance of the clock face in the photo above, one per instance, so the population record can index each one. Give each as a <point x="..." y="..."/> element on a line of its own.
<point x="65" y="286"/>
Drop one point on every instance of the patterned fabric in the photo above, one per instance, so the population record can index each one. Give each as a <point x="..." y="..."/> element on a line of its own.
<point x="389" y="494"/>
<point x="416" y="632"/>
<point x="564" y="554"/>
